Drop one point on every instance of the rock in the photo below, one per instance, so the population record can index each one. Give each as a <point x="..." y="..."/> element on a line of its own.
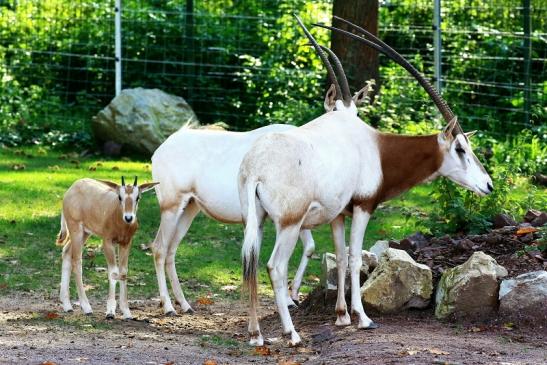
<point x="329" y="273"/>
<point x="525" y="297"/>
<point x="540" y="221"/>
<point x="379" y="247"/>
<point x="531" y="214"/>
<point x="142" y="119"/>
<point x="470" y="289"/>
<point x="414" y="241"/>
<point x="397" y="283"/>
<point x="503" y="220"/>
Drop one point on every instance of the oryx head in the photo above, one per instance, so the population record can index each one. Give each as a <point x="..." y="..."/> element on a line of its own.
<point x="128" y="197"/>
<point x="459" y="163"/>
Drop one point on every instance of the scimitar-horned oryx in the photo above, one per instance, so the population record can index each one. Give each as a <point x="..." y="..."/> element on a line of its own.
<point x="333" y="166"/>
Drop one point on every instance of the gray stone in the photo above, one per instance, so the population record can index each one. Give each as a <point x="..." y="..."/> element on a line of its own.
<point x="379" y="247"/>
<point x="503" y="220"/>
<point x="142" y="119"/>
<point x="470" y="289"/>
<point x="329" y="273"/>
<point x="397" y="283"/>
<point x="525" y="297"/>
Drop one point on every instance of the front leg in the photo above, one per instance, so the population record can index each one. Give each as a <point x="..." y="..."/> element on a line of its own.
<point x="338" y="236"/>
<point x="113" y="274"/>
<point x="123" y="260"/>
<point x="358" y="228"/>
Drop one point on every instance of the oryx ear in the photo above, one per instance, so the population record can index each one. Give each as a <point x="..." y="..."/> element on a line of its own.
<point x="447" y="131"/>
<point x="470" y="134"/>
<point x="361" y="95"/>
<point x="110" y="184"/>
<point x="330" y="99"/>
<point x="148" y="186"/>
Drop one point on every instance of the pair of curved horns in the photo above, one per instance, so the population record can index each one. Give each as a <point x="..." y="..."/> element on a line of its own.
<point x="134" y="182"/>
<point x="384" y="48"/>
<point x="341" y="90"/>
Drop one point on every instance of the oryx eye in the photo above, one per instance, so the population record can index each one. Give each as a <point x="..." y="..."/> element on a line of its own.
<point x="460" y="150"/>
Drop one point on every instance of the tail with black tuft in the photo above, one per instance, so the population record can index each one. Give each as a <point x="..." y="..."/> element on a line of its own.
<point x="251" y="246"/>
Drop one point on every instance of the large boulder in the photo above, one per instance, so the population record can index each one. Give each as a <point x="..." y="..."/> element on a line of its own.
<point x="525" y="297"/>
<point x="329" y="273"/>
<point x="471" y="289"/>
<point x="142" y="119"/>
<point x="397" y="283"/>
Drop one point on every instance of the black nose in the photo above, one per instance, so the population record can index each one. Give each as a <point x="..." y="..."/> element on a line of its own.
<point x="490" y="187"/>
<point x="128" y="219"/>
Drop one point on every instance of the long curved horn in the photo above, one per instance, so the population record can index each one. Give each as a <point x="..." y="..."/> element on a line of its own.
<point x="135" y="182"/>
<point x="324" y="58"/>
<point x="395" y="56"/>
<point x="123" y="181"/>
<point x="346" y="93"/>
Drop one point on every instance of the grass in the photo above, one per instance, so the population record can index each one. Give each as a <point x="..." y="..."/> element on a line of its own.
<point x="207" y="259"/>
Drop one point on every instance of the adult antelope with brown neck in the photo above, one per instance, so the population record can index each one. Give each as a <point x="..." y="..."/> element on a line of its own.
<point x="333" y="166"/>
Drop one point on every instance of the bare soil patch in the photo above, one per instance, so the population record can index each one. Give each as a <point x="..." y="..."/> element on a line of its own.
<point x="33" y="330"/>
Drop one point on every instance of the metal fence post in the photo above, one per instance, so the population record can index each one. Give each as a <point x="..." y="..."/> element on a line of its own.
<point x="437" y="43"/>
<point x="118" y="44"/>
<point x="527" y="24"/>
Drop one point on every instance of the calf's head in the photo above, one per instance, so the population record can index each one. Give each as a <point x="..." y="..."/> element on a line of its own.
<point x="129" y="196"/>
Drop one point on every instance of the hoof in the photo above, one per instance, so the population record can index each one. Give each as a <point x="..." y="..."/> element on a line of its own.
<point x="109" y="316"/>
<point x="89" y="314"/>
<point x="171" y="314"/>
<point x="296" y="302"/>
<point x="69" y="310"/>
<point x="293" y="306"/>
<point x="371" y="326"/>
<point x="256" y="341"/>
<point x="127" y="319"/>
<point x="189" y="311"/>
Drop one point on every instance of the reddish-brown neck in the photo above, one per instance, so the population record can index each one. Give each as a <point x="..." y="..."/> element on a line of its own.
<point x="406" y="162"/>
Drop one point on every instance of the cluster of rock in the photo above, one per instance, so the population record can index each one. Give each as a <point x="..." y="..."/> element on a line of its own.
<point x="471" y="289"/>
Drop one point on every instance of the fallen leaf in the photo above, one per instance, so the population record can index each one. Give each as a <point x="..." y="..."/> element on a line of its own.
<point x="410" y="352"/>
<point x="115" y="168"/>
<point x="54" y="167"/>
<point x="51" y="315"/>
<point x="169" y="363"/>
<point x="48" y="363"/>
<point x="209" y="362"/>
<point x="204" y="301"/>
<point x="92" y="168"/>
<point x="476" y="329"/>
<point x="509" y="326"/>
<point x="263" y="350"/>
<point x="18" y="166"/>
<point x="525" y="230"/>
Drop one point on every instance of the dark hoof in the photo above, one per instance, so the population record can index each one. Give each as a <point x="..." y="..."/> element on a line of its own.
<point x="372" y="326"/>
<point x="171" y="314"/>
<point x="109" y="316"/>
<point x="293" y="306"/>
<point x="190" y="311"/>
<point x="297" y="302"/>
<point x="89" y="314"/>
<point x="70" y="311"/>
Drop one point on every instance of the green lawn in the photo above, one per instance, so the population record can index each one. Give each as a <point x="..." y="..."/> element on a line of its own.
<point x="207" y="259"/>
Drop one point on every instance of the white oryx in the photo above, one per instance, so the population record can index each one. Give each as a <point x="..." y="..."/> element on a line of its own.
<point x="197" y="170"/>
<point x="333" y="166"/>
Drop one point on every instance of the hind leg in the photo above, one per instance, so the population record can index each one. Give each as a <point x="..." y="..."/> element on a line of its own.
<point x="338" y="236"/>
<point x="182" y="227"/>
<point x="277" y="266"/>
<point x="66" y="269"/>
<point x="309" y="248"/>
<point x="78" y="238"/>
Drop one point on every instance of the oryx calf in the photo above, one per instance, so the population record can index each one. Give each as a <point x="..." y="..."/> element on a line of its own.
<point x="108" y="210"/>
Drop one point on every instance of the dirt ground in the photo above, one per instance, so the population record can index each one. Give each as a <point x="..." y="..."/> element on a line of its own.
<point x="33" y="331"/>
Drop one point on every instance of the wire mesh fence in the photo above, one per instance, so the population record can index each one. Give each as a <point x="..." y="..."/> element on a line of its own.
<point x="245" y="64"/>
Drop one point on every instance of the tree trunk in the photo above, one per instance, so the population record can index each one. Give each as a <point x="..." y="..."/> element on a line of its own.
<point x="360" y="62"/>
